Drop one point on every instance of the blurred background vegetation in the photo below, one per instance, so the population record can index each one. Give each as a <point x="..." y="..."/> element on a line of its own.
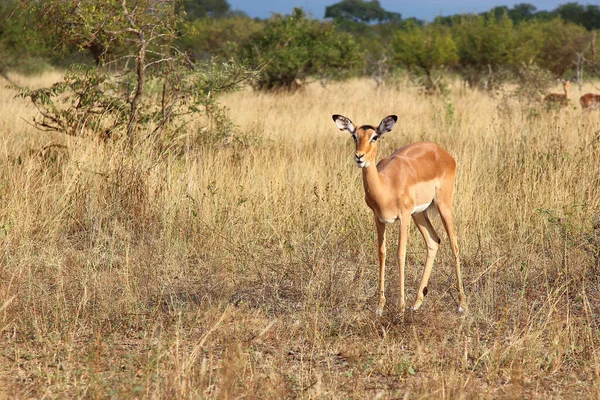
<point x="186" y="52"/>
<point x="351" y="38"/>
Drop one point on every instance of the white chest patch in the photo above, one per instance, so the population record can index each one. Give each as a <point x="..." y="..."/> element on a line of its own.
<point x="420" y="208"/>
<point x="387" y="220"/>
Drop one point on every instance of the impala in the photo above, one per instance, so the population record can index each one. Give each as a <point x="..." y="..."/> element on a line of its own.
<point x="590" y="101"/>
<point x="556" y="98"/>
<point x="416" y="178"/>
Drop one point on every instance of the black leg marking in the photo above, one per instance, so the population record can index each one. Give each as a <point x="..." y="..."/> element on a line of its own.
<point x="425" y="291"/>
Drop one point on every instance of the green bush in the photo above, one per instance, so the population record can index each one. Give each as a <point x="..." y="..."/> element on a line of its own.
<point x="562" y="42"/>
<point x="485" y="44"/>
<point x="290" y="49"/>
<point x="424" y="51"/>
<point x="22" y="47"/>
<point x="154" y="98"/>
<point x="211" y="37"/>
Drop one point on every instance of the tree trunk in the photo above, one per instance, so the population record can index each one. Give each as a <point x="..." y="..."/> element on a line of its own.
<point x="140" y="61"/>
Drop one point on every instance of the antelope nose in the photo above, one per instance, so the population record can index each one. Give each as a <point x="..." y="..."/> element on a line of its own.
<point x="359" y="156"/>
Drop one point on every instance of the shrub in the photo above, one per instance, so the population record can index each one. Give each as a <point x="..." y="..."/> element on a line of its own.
<point x="424" y="51"/>
<point x="290" y="49"/>
<point x="151" y="99"/>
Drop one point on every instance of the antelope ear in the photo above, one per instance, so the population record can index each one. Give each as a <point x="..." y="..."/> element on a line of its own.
<point x="344" y="124"/>
<point x="387" y="124"/>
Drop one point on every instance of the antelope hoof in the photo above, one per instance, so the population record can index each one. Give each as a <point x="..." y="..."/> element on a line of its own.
<point x="461" y="309"/>
<point x="380" y="306"/>
<point x="417" y="305"/>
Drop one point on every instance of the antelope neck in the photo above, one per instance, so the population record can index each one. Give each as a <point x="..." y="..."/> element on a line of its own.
<point x="372" y="182"/>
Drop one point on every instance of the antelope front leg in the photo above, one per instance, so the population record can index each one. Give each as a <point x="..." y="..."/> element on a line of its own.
<point x="404" y="224"/>
<point x="381" y="247"/>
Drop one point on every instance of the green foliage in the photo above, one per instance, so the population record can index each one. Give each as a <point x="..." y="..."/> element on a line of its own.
<point x="484" y="43"/>
<point x="522" y="12"/>
<point x="529" y="40"/>
<point x="196" y="9"/>
<point x="151" y="99"/>
<point x="21" y="46"/>
<point x="423" y="50"/>
<point x="485" y="49"/>
<point x="78" y="104"/>
<point x="519" y="12"/>
<point x="210" y="37"/>
<point x="375" y="40"/>
<point x="562" y="40"/>
<point x="289" y="49"/>
<point x="109" y="30"/>
<point x="91" y="102"/>
<point x="587" y="16"/>
<point x="360" y="11"/>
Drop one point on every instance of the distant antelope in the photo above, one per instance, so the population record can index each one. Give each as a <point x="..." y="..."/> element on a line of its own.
<point x="556" y="98"/>
<point x="590" y="101"/>
<point x="416" y="178"/>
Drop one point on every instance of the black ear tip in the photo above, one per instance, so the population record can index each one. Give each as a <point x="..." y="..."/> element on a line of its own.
<point x="394" y="117"/>
<point x="335" y="116"/>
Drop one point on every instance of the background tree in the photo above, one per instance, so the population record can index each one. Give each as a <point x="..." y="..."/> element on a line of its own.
<point x="562" y="42"/>
<point x="484" y="45"/>
<point x="424" y="50"/>
<point x="519" y="12"/>
<point x="522" y="12"/>
<point x="290" y="49"/>
<point x="211" y="37"/>
<point x="529" y="39"/>
<point x="587" y="16"/>
<point x="196" y="9"/>
<point x="373" y="29"/>
<point x="22" y="47"/>
<point x="361" y="11"/>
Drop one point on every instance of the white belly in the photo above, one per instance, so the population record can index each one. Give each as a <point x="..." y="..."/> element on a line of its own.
<point x="421" y="208"/>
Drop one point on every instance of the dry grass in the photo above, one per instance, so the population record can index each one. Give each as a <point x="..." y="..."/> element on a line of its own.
<point x="249" y="270"/>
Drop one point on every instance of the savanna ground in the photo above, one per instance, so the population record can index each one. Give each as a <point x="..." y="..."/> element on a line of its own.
<point x="249" y="269"/>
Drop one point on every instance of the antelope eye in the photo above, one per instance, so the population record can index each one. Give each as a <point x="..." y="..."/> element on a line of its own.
<point x="374" y="139"/>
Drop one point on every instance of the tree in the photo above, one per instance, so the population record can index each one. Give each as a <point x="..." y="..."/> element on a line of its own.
<point x="196" y="9"/>
<point x="21" y="47"/>
<point x="529" y="40"/>
<point x="562" y="42"/>
<point x="497" y="12"/>
<point x="522" y="12"/>
<point x="361" y="11"/>
<point x="572" y="12"/>
<point x="485" y="44"/>
<point x="118" y="104"/>
<point x="290" y="49"/>
<point x="592" y="17"/>
<point x="587" y="16"/>
<point x="423" y="50"/>
<point x="211" y="37"/>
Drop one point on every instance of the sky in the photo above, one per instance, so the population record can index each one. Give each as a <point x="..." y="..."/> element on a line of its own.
<point x="425" y="10"/>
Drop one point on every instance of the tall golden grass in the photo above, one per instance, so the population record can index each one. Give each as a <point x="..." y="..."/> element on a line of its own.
<point x="248" y="269"/>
